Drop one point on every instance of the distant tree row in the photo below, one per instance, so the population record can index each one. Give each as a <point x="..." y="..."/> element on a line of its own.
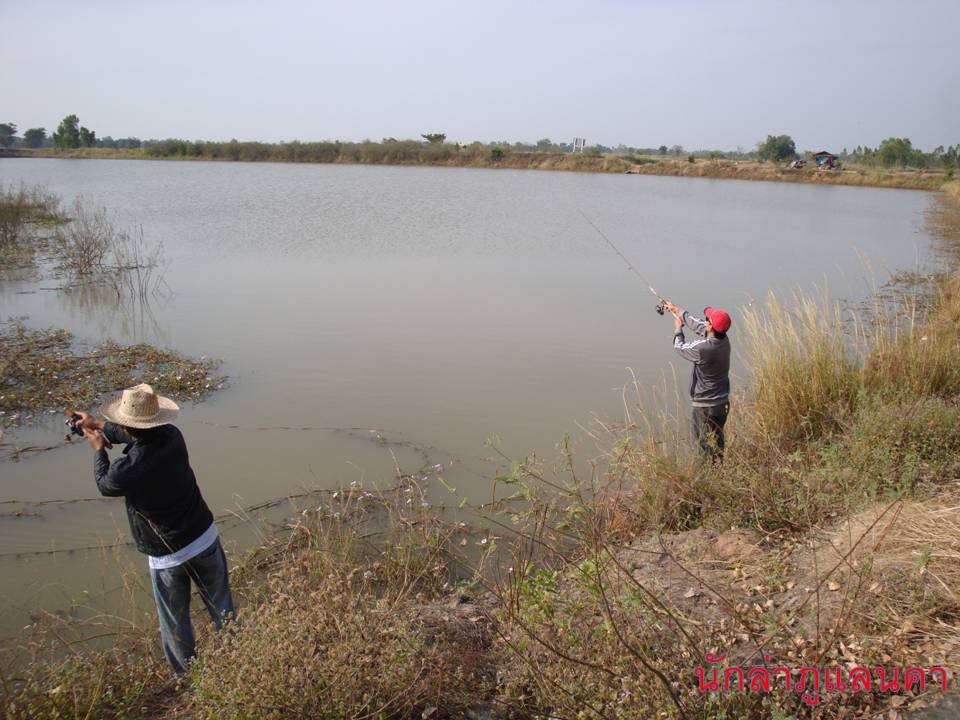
<point x="900" y="152"/>
<point x="388" y="151"/>
<point x="68" y="135"/>
<point x="34" y="137"/>
<point x="892" y="152"/>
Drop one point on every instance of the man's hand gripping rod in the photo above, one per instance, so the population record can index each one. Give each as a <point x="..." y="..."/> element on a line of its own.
<point x="73" y="422"/>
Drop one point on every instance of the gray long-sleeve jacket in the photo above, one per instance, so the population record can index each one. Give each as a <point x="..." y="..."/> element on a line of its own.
<point x="710" y="380"/>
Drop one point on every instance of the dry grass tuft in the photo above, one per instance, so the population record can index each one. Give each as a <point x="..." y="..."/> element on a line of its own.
<point x="342" y="627"/>
<point x="805" y="378"/>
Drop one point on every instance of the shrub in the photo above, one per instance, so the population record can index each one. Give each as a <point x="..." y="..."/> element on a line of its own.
<point x="22" y="209"/>
<point x="341" y="629"/>
<point x="83" y="243"/>
<point x="86" y="686"/>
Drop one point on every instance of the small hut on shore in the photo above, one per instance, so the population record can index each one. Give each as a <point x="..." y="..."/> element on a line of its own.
<point x="826" y="160"/>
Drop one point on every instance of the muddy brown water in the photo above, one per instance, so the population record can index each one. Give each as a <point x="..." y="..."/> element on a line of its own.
<point x="434" y="307"/>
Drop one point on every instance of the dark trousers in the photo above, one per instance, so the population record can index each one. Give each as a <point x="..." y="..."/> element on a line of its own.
<point x="708" y="425"/>
<point x="171" y="590"/>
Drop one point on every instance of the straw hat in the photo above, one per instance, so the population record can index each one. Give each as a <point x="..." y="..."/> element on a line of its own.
<point x="140" y="407"/>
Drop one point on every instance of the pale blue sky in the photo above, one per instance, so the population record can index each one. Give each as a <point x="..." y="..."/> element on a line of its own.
<point x="699" y="73"/>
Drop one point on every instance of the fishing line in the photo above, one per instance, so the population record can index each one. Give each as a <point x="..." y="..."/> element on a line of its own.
<point x="630" y="265"/>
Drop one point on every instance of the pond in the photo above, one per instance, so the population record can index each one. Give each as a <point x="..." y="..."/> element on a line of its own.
<point x="375" y="317"/>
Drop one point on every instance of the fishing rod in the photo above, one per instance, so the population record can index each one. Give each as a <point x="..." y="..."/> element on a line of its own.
<point x="661" y="306"/>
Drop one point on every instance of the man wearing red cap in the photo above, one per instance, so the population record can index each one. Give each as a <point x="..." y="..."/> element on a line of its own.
<point x="710" y="380"/>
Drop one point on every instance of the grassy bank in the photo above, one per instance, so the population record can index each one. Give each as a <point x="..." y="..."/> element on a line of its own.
<point x="481" y="156"/>
<point x="827" y="539"/>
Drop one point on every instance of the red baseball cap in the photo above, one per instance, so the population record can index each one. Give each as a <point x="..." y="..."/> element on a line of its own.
<point x="718" y="318"/>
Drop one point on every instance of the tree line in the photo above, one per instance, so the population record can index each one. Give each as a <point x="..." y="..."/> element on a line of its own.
<point x="899" y="152"/>
<point x="891" y="152"/>
<point x="69" y="135"/>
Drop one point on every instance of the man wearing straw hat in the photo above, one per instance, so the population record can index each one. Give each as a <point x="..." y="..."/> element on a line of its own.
<point x="169" y="519"/>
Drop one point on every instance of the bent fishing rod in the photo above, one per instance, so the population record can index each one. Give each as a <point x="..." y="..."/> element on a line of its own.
<point x="661" y="306"/>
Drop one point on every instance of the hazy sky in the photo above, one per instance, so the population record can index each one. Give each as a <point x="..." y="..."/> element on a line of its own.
<point x="699" y="73"/>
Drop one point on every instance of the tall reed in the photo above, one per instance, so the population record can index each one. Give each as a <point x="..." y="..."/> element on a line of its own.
<point x="806" y="376"/>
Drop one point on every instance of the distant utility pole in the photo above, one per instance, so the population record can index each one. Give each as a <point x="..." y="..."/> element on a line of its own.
<point x="579" y="144"/>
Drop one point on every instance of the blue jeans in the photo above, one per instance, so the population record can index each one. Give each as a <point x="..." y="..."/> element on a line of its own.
<point x="171" y="590"/>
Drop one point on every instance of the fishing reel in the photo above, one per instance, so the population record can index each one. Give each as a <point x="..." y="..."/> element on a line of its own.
<point x="661" y="307"/>
<point x="71" y="422"/>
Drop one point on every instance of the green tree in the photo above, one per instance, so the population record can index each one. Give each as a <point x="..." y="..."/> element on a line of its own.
<point x="896" y="151"/>
<point x="8" y="134"/>
<point x="67" y="135"/>
<point x="544" y="145"/>
<point x="777" y="148"/>
<point x="34" y="137"/>
<point x="88" y="138"/>
<point x="949" y="158"/>
<point x="434" y="138"/>
<point x="662" y="149"/>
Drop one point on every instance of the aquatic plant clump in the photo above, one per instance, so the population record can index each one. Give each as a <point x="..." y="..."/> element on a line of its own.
<point x="44" y="371"/>
<point x="27" y="215"/>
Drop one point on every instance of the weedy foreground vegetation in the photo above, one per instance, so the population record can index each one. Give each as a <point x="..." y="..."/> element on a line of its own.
<point x="827" y="538"/>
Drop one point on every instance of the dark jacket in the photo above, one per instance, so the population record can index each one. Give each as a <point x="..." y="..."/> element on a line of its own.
<point x="164" y="505"/>
<point x="710" y="380"/>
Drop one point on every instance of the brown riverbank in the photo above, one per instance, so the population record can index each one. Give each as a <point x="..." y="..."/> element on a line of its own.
<point x="471" y="158"/>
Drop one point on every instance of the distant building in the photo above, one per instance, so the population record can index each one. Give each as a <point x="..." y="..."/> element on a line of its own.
<point x="826" y="160"/>
<point x="579" y="144"/>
